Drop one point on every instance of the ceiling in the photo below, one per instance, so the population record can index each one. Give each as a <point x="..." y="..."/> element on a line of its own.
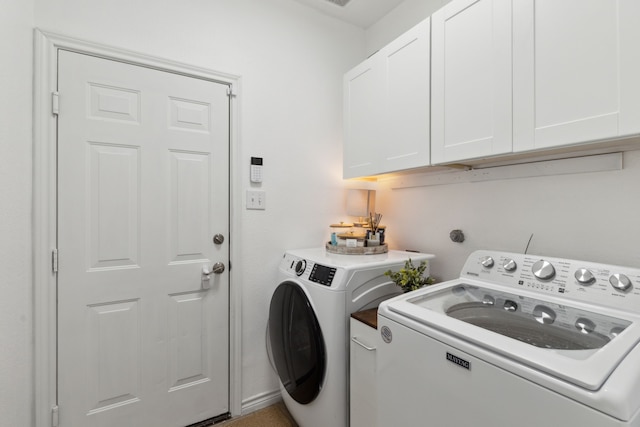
<point x="362" y="13"/>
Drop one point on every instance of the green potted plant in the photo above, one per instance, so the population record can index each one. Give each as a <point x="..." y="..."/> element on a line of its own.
<point x="410" y="277"/>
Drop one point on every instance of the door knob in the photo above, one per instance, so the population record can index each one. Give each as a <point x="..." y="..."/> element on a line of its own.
<point x="218" y="268"/>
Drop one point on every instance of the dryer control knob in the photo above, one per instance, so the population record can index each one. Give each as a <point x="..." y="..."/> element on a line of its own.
<point x="509" y="265"/>
<point x="300" y="267"/>
<point x="486" y="261"/>
<point x="620" y="282"/>
<point x="543" y="270"/>
<point x="584" y="277"/>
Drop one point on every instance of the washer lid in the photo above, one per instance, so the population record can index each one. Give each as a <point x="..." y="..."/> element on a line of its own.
<point x="536" y="322"/>
<point x="578" y="343"/>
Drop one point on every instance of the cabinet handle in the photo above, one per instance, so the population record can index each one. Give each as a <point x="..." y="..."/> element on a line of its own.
<point x="366" y="347"/>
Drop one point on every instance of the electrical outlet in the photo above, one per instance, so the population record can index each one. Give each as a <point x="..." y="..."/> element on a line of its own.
<point x="256" y="199"/>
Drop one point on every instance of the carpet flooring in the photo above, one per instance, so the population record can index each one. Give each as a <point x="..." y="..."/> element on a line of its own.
<point x="271" y="416"/>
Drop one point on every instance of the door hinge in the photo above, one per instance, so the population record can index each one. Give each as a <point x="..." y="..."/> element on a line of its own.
<point x="54" y="416"/>
<point x="55" y="103"/>
<point x="230" y="92"/>
<point x="54" y="260"/>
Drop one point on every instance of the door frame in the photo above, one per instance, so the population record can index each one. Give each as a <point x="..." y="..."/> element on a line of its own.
<point x="44" y="216"/>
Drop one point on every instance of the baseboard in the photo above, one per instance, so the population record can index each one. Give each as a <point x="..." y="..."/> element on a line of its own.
<point x="260" y="401"/>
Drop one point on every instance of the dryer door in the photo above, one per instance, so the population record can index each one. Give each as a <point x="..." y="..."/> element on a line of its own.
<point x="296" y="342"/>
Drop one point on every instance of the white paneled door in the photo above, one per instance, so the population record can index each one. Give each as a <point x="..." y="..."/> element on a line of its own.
<point x="143" y="187"/>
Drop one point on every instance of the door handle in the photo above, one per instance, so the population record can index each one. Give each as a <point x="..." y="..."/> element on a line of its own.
<point x="361" y="344"/>
<point x="217" y="268"/>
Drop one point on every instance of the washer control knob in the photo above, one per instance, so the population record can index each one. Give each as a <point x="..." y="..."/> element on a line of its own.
<point x="584" y="277"/>
<point x="620" y="282"/>
<point x="509" y="265"/>
<point x="300" y="267"/>
<point x="486" y="261"/>
<point x="543" y="270"/>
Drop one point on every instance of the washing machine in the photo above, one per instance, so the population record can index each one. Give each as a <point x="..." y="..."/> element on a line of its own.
<point x="517" y="339"/>
<point x="309" y="321"/>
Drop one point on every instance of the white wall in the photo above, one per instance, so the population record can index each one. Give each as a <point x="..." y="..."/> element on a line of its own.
<point x="16" y="313"/>
<point x="591" y="216"/>
<point x="290" y="59"/>
<point x="587" y="216"/>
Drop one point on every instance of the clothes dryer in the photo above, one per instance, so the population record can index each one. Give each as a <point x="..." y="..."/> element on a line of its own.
<point x="309" y="322"/>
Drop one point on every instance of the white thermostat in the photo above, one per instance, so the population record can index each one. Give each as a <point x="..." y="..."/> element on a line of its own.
<point x="256" y="169"/>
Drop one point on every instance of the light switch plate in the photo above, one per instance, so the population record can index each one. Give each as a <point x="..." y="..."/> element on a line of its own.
<point x="256" y="200"/>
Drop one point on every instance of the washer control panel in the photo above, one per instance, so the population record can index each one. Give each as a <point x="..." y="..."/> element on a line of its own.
<point x="308" y="270"/>
<point x="602" y="284"/>
<point x="322" y="274"/>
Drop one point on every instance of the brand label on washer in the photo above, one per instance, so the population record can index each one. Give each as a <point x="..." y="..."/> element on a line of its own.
<point x="387" y="336"/>
<point x="458" y="361"/>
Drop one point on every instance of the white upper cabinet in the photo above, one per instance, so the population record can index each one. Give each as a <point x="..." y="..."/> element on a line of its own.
<point x="471" y="105"/>
<point x="362" y="113"/>
<point x="407" y="100"/>
<point x="576" y="71"/>
<point x="507" y="76"/>
<point x="386" y="108"/>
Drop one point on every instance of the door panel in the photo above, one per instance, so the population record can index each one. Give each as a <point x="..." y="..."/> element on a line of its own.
<point x="189" y="205"/>
<point x="187" y="354"/>
<point x="107" y="349"/>
<point x="112" y="190"/>
<point x="143" y="186"/>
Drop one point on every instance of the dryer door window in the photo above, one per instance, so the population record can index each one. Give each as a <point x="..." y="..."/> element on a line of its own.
<point x="296" y="342"/>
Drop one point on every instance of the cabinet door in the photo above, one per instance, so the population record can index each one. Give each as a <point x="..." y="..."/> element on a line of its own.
<point x="362" y="118"/>
<point x="386" y="108"/>
<point x="629" y="16"/>
<point x="406" y="100"/>
<point x="471" y="80"/>
<point x="570" y="71"/>
<point x="362" y="377"/>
